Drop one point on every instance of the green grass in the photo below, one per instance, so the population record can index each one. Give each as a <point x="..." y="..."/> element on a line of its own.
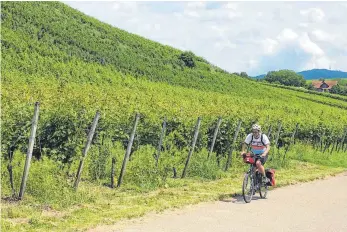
<point x="306" y="153"/>
<point x="109" y="206"/>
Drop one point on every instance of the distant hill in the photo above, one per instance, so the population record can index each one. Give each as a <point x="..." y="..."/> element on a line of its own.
<point x="317" y="73"/>
<point x="260" y="76"/>
<point x="323" y="73"/>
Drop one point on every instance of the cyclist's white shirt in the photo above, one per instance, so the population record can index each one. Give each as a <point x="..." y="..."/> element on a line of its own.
<point x="257" y="146"/>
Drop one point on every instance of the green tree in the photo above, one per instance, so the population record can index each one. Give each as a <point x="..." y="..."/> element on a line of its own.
<point x="244" y="74"/>
<point x="310" y="86"/>
<point x="285" y="77"/>
<point x="188" y="59"/>
<point x="338" y="89"/>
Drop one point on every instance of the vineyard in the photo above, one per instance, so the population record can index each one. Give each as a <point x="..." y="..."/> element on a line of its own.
<point x="75" y="66"/>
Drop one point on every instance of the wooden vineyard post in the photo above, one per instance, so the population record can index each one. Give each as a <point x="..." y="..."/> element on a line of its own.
<point x="127" y="153"/>
<point x="214" y="136"/>
<point x="113" y="171"/>
<point x="86" y="148"/>
<point x="30" y="150"/>
<point x="321" y="141"/>
<point x="192" y="148"/>
<point x="231" y="147"/>
<point x="277" y="135"/>
<point x="269" y="132"/>
<point x="160" y="142"/>
<point x="291" y="141"/>
<point x="340" y="147"/>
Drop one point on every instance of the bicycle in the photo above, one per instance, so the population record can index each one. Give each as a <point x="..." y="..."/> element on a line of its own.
<point x="253" y="177"/>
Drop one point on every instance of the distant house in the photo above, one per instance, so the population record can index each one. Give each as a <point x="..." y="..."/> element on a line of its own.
<point x="323" y="86"/>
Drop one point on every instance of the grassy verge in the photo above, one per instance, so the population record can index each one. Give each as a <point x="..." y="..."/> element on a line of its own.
<point x="109" y="206"/>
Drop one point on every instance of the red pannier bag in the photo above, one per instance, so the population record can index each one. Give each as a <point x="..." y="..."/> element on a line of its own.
<point x="270" y="173"/>
<point x="248" y="159"/>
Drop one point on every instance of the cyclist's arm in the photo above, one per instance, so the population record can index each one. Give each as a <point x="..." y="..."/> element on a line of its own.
<point x="245" y="144"/>
<point x="244" y="147"/>
<point x="266" y="150"/>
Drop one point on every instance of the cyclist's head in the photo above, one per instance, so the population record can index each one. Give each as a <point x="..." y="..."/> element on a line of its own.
<point x="256" y="129"/>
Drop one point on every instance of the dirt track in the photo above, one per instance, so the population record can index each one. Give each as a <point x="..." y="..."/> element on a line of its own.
<point x="319" y="206"/>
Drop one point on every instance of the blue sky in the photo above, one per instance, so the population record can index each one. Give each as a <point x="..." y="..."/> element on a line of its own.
<point x="255" y="37"/>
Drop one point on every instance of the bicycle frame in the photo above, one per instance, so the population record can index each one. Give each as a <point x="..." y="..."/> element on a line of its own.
<point x="254" y="173"/>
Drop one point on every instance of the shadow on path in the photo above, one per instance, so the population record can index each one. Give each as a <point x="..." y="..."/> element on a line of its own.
<point x="237" y="198"/>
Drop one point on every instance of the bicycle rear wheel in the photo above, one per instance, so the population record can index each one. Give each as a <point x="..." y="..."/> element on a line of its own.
<point x="247" y="188"/>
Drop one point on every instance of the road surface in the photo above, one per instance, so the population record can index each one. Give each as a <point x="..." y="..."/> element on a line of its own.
<point x="318" y="206"/>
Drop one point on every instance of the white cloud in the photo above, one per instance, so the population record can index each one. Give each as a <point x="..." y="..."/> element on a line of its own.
<point x="304" y="25"/>
<point x="313" y="14"/>
<point x="252" y="63"/>
<point x="193" y="9"/>
<point x="124" y="8"/>
<point x="232" y="15"/>
<point x="157" y="26"/>
<point x="270" y="46"/>
<point x="321" y="62"/>
<point x="240" y="36"/>
<point x="147" y="27"/>
<point x="287" y="34"/>
<point x="191" y="13"/>
<point x="224" y="44"/>
<point x="309" y="47"/>
<point x="196" y="5"/>
<point x="231" y="6"/>
<point x="129" y="5"/>
<point x="116" y="6"/>
<point x="320" y="35"/>
<point x="340" y="62"/>
<point x="221" y="30"/>
<point x="133" y="20"/>
<point x="178" y="15"/>
<point x="231" y="10"/>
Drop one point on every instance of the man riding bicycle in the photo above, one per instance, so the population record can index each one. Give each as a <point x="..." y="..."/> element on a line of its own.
<point x="260" y="145"/>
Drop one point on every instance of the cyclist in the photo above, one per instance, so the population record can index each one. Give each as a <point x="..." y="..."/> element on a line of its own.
<point x="260" y="145"/>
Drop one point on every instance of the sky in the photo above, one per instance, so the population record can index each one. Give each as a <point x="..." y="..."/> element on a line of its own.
<point x="252" y="37"/>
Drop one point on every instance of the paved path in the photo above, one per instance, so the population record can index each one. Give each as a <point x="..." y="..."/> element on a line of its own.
<point x="318" y="206"/>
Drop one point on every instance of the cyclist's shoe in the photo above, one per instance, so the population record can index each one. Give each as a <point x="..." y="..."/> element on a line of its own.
<point x="265" y="180"/>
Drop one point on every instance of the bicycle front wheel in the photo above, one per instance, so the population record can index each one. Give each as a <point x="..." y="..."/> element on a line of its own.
<point x="247" y="188"/>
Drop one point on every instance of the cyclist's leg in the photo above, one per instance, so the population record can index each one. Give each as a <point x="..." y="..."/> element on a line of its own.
<point x="259" y="163"/>
<point x="260" y="166"/>
<point x="254" y="165"/>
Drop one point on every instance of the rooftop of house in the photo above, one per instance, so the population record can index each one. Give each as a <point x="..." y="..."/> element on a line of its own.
<point x="318" y="84"/>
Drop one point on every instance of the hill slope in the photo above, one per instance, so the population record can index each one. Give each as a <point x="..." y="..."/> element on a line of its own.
<point x="75" y="65"/>
<point x="64" y="34"/>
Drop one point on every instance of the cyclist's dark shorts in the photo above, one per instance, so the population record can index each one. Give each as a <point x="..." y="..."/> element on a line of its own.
<point x="262" y="159"/>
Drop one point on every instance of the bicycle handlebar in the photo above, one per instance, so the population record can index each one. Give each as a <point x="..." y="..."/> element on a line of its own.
<point x="252" y="155"/>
